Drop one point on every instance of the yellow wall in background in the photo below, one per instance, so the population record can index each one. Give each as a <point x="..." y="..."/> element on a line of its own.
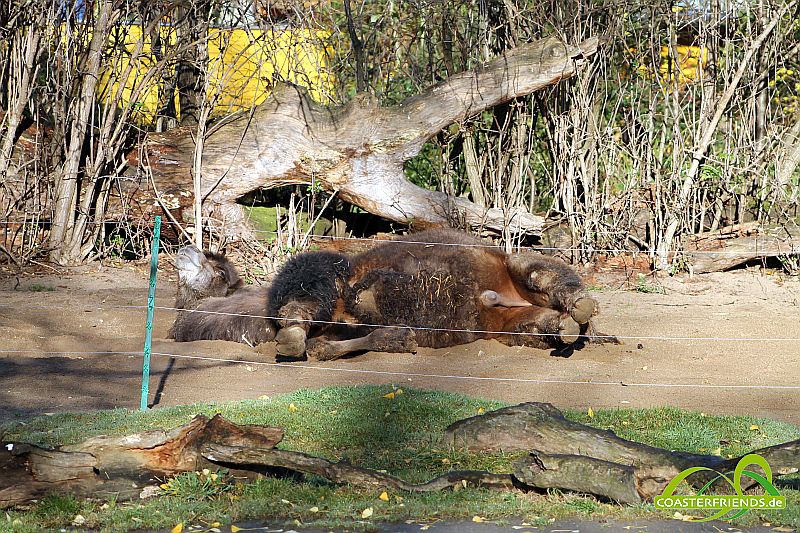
<point x="691" y="62"/>
<point x="242" y="63"/>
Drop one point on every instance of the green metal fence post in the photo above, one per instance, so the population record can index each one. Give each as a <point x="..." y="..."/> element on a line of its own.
<point x="151" y="300"/>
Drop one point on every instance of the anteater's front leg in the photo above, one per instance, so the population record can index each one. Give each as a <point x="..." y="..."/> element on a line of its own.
<point x="304" y="295"/>
<point x="295" y="320"/>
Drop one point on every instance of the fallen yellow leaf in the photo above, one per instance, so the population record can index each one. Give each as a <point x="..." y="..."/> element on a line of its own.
<point x="178" y="528"/>
<point x="389" y="395"/>
<point x="384" y="496"/>
<point x="398" y="391"/>
<point x="481" y="410"/>
<point x="235" y="529"/>
<point x="314" y="509"/>
<point x="366" y="513"/>
<point x="477" y="518"/>
<point x="215" y="524"/>
<point x="754" y="427"/>
<point x="292" y="408"/>
<point x="590" y="413"/>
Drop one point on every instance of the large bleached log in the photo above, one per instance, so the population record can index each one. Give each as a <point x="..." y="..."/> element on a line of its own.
<point x="357" y="150"/>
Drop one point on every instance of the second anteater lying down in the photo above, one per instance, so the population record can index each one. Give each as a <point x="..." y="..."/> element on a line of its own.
<point x="435" y="288"/>
<point x="214" y="302"/>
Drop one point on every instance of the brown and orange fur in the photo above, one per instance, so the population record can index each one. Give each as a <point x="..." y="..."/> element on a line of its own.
<point x="428" y="286"/>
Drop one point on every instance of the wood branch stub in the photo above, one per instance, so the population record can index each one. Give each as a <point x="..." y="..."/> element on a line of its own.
<point x="783" y="459"/>
<point x="357" y="150"/>
<point x="581" y="474"/>
<point x="732" y="246"/>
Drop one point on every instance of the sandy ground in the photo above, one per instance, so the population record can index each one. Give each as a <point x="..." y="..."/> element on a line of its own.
<point x="63" y="338"/>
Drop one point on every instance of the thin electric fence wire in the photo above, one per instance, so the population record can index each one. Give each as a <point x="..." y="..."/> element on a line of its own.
<point x="424" y="328"/>
<point x="792" y="249"/>
<point x="302" y="366"/>
<point x="479" y="331"/>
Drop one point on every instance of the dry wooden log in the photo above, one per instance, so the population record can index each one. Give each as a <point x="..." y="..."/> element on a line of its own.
<point x="564" y="455"/>
<point x="542" y="427"/>
<point x="342" y="472"/>
<point x="120" y="465"/>
<point x="715" y="251"/>
<point x="357" y="151"/>
<point x="576" y="457"/>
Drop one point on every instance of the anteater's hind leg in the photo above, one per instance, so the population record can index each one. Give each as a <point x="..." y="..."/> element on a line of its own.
<point x="390" y="340"/>
<point x="555" y="283"/>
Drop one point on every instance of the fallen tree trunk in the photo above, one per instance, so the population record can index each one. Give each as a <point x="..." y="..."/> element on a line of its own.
<point x="732" y="246"/>
<point x="121" y="466"/>
<point x="572" y="456"/>
<point x="563" y="454"/>
<point x="356" y="151"/>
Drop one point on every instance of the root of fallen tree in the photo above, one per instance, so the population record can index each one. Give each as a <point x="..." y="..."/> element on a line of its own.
<point x="561" y="454"/>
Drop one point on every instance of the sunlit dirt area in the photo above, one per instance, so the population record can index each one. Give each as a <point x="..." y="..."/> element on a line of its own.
<point x="721" y="343"/>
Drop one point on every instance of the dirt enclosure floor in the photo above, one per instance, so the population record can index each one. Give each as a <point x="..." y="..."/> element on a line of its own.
<point x="72" y="341"/>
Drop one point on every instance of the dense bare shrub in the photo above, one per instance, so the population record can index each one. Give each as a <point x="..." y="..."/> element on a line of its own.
<point x="687" y="121"/>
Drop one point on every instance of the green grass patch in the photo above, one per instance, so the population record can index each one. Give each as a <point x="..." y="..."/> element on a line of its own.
<point x="642" y="285"/>
<point x="399" y="435"/>
<point x="264" y="219"/>
<point x="38" y="287"/>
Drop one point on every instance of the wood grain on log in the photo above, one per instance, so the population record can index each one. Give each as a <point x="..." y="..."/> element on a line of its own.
<point x="543" y="428"/>
<point x="581" y="474"/>
<point x="357" y="150"/>
<point x="569" y="455"/>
